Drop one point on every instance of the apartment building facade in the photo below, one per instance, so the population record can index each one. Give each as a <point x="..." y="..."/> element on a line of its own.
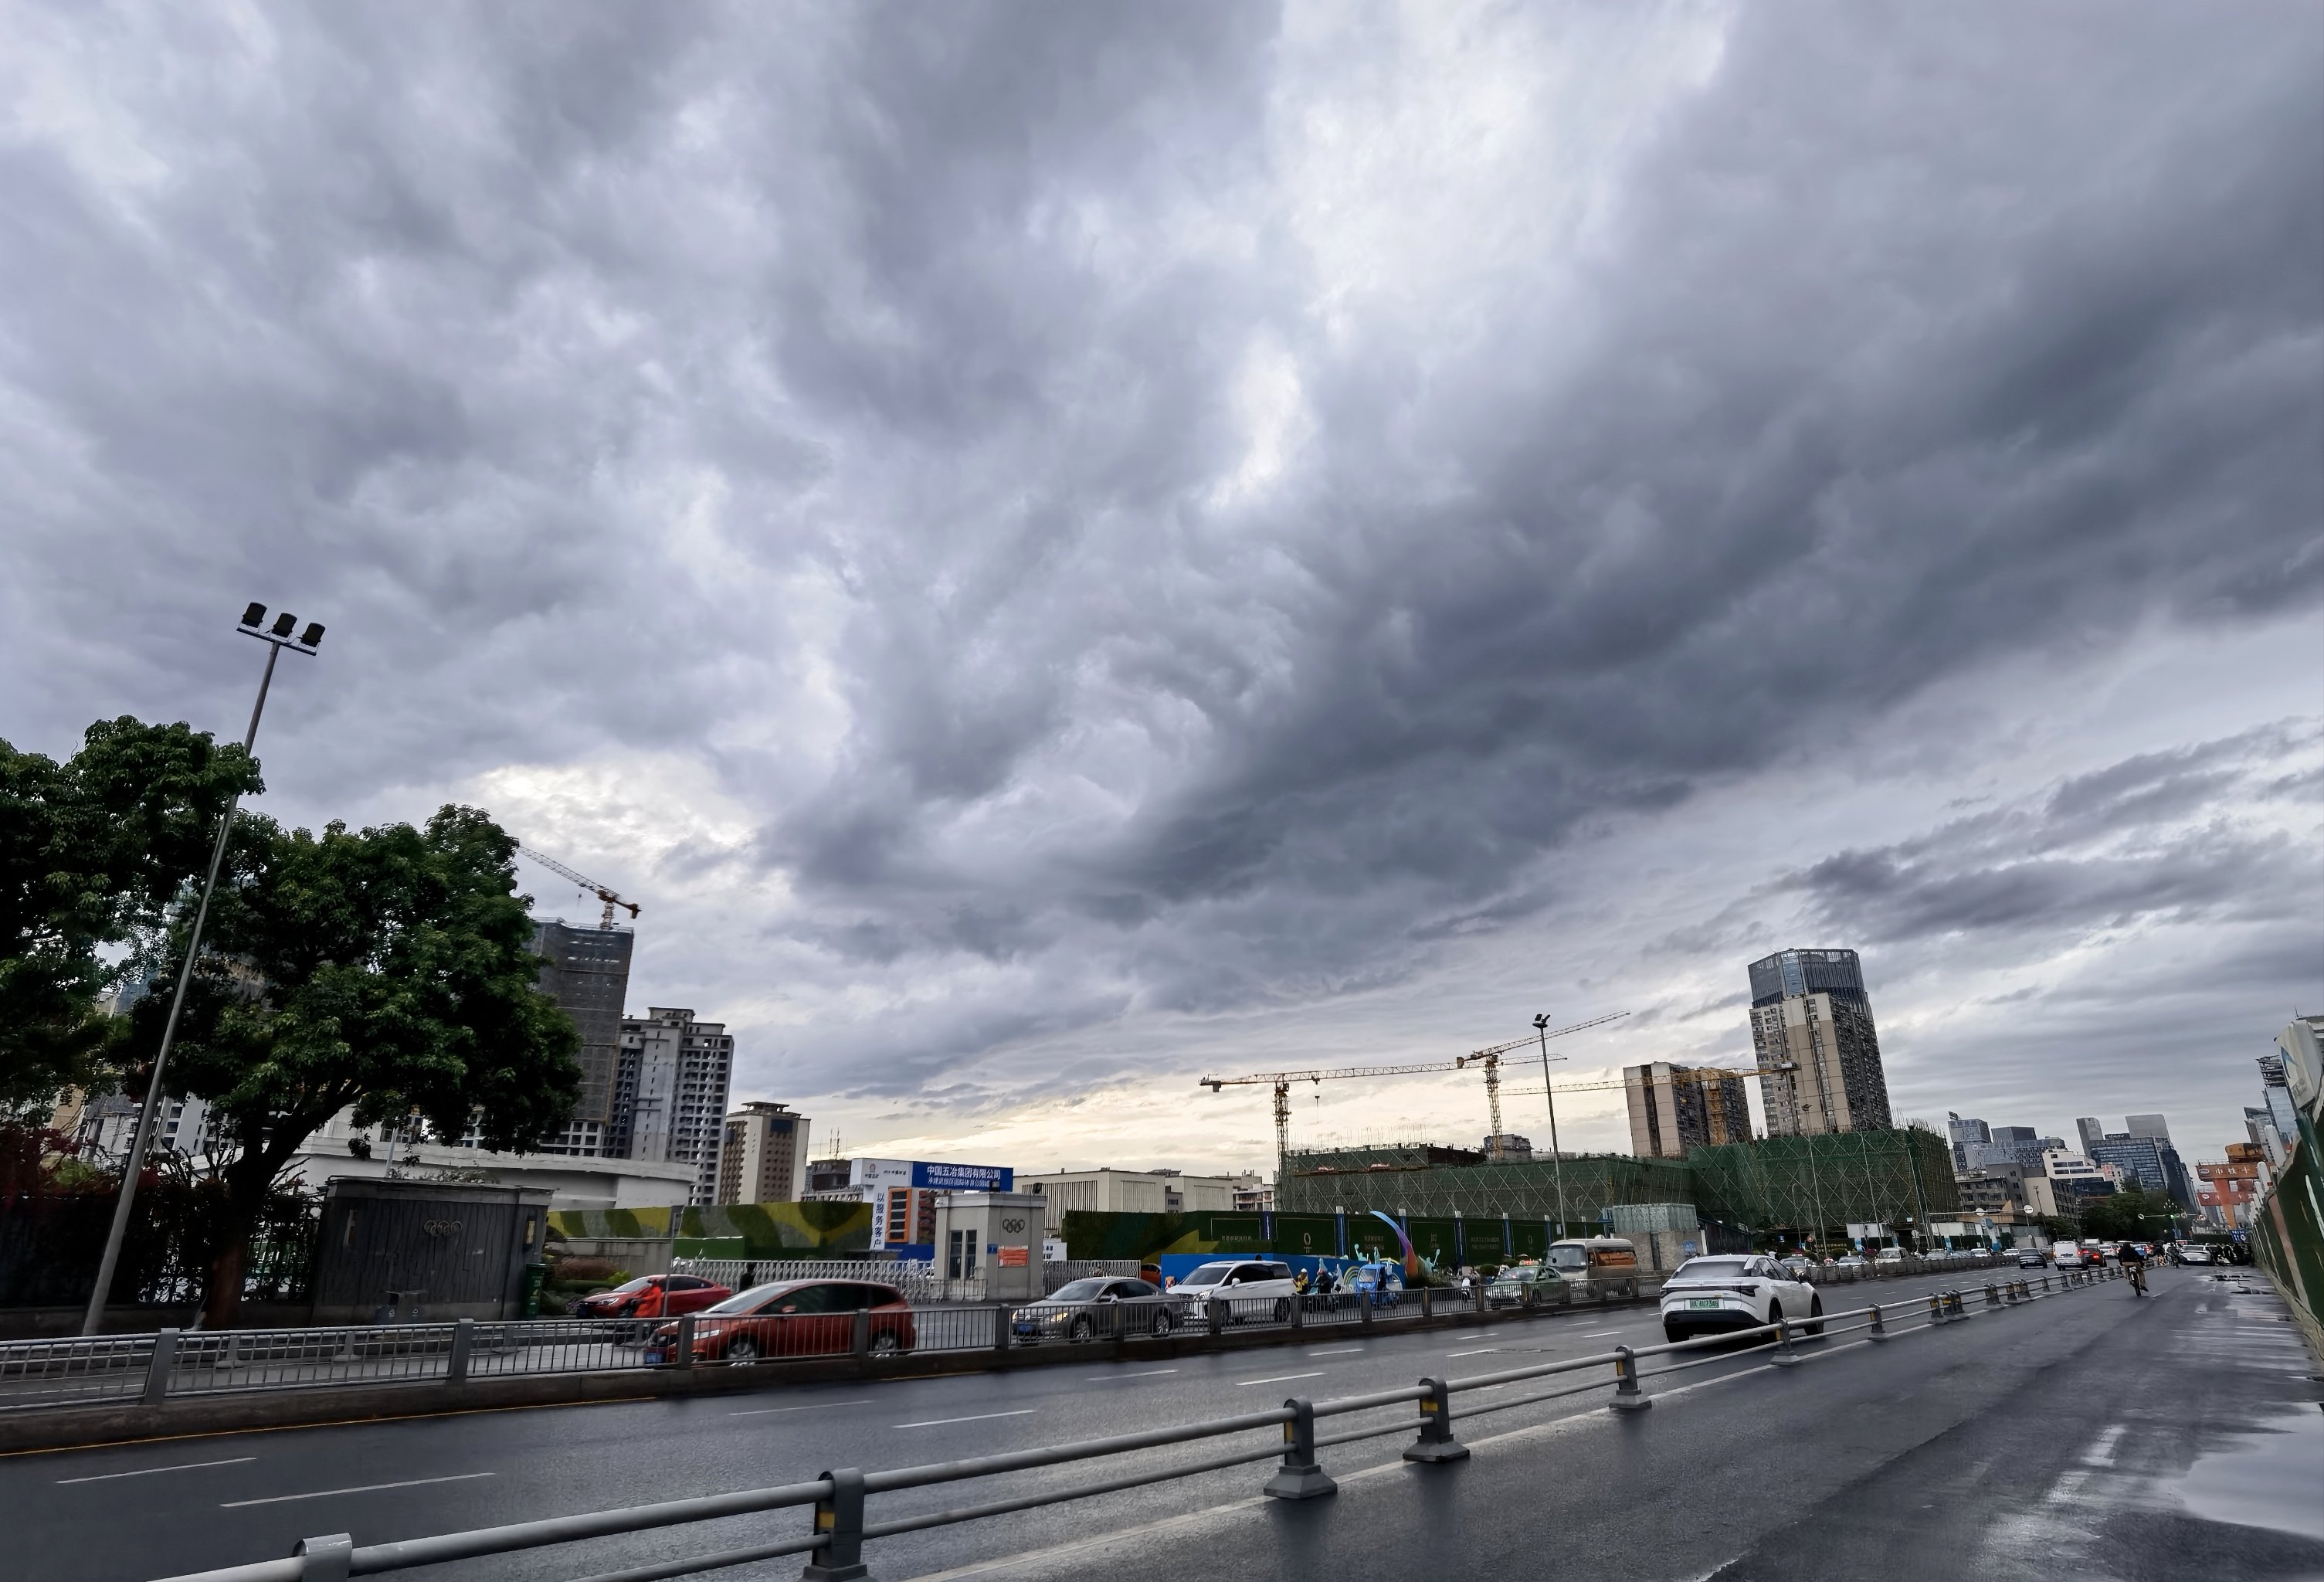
<point x="1819" y="1050"/>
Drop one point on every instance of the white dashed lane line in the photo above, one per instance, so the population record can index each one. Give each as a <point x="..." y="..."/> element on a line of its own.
<point x="362" y="1488"/>
<point x="1336" y="1351"/>
<point x="150" y="1471"/>
<point x="937" y="1422"/>
<point x="1277" y="1379"/>
<point x="811" y="1406"/>
<point x="1147" y="1374"/>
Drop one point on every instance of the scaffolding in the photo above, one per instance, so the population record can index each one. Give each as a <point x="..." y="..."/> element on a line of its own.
<point x="1826" y="1182"/>
<point x="1414" y="1179"/>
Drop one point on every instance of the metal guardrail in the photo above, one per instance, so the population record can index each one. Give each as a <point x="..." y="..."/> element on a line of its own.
<point x="839" y="1497"/>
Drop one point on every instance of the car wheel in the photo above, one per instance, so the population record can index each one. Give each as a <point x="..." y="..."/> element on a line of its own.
<point x="1082" y="1329"/>
<point x="1282" y="1310"/>
<point x="1815" y="1315"/>
<point x="742" y="1349"/>
<point x="886" y="1343"/>
<point x="1163" y="1322"/>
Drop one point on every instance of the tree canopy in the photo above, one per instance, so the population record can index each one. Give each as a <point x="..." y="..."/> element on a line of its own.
<point x="94" y="851"/>
<point x="388" y="969"/>
<point x="2132" y="1216"/>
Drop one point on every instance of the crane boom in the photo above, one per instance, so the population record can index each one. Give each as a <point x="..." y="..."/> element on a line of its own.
<point x="601" y="891"/>
<point x="1492" y="1057"/>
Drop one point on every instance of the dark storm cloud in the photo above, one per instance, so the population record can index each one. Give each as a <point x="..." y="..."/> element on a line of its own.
<point x="857" y="403"/>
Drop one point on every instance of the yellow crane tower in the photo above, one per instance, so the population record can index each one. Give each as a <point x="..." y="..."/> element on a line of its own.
<point x="1491" y="1060"/>
<point x="591" y="885"/>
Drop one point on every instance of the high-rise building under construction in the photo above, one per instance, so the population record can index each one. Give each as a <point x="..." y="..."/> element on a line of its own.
<point x="1817" y="1050"/>
<point x="1673" y="1108"/>
<point x="586" y="971"/>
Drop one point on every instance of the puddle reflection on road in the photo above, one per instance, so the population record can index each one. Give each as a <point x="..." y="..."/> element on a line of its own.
<point x="2267" y="1477"/>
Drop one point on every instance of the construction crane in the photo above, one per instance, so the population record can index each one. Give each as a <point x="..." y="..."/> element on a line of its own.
<point x="1491" y="1060"/>
<point x="591" y="885"/>
<point x="1281" y="1082"/>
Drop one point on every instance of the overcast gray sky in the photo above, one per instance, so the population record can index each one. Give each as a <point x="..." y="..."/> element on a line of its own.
<point x="1056" y="549"/>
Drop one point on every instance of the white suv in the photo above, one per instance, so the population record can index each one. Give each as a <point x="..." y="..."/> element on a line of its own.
<point x="1241" y="1283"/>
<point x="1705" y="1296"/>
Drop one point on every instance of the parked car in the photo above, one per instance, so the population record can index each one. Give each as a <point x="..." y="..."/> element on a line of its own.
<point x="653" y="1295"/>
<point x="1796" y="1264"/>
<point x="2032" y="1258"/>
<point x="1889" y="1261"/>
<point x="1085" y="1309"/>
<point x="1854" y="1264"/>
<point x="1598" y="1261"/>
<point x="1528" y="1283"/>
<point x="794" y="1318"/>
<point x="1707" y="1296"/>
<point x="1240" y="1282"/>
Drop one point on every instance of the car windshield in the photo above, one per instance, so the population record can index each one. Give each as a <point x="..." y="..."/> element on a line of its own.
<point x="1079" y="1290"/>
<point x="1210" y="1274"/>
<point x="1570" y="1257"/>
<point x="1710" y="1269"/>
<point x="744" y="1301"/>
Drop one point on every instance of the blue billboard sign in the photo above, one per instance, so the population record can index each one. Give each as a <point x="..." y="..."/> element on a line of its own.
<point x="964" y="1178"/>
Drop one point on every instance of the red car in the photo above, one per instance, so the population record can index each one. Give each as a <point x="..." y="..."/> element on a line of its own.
<point x="794" y="1318"/>
<point x="653" y="1295"/>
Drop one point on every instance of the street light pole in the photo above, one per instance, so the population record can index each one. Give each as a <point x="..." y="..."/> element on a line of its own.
<point x="1556" y="1157"/>
<point x="276" y="638"/>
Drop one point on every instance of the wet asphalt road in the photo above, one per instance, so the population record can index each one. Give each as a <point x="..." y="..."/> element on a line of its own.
<point x="1972" y="1445"/>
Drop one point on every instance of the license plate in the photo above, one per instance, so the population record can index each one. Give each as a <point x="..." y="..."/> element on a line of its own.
<point x="653" y="1359"/>
<point x="1024" y="1328"/>
<point x="1703" y="1301"/>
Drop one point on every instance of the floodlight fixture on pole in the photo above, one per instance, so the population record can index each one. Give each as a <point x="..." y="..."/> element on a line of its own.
<point x="277" y="639"/>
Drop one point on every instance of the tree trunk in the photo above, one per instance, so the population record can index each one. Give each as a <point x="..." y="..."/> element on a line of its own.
<point x="248" y="1180"/>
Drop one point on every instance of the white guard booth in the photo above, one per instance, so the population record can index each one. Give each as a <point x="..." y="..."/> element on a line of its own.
<point x="988" y="1246"/>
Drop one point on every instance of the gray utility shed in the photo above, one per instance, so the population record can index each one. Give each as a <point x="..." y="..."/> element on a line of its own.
<point x="405" y="1249"/>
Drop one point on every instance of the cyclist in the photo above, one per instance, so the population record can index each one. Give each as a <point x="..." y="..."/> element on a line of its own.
<point x="2134" y="1264"/>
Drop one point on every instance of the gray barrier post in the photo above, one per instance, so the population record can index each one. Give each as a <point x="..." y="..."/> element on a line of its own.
<point x="1365" y="1299"/>
<point x="1299" y="1478"/>
<point x="1299" y="1309"/>
<point x="1879" y="1331"/>
<point x="684" y="1357"/>
<point x="1436" y="1442"/>
<point x="1936" y="1309"/>
<point x="1000" y="1330"/>
<point x="1217" y="1317"/>
<point x="1992" y="1295"/>
<point x="1427" y="1303"/>
<point x="859" y="1338"/>
<point x="463" y="1336"/>
<point x="1628" y="1396"/>
<point x="157" y="1370"/>
<point x="839" y="1522"/>
<point x="328" y="1559"/>
<point x="1787" y="1356"/>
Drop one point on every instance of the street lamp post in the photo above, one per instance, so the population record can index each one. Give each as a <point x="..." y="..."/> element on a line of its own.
<point x="1556" y="1157"/>
<point x="276" y="638"/>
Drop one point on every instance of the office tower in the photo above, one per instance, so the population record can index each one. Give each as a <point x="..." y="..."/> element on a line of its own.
<point x="2090" y="1133"/>
<point x="2147" y="1126"/>
<point x="1961" y="1131"/>
<point x="764" y="1157"/>
<point x="1673" y="1108"/>
<point x="669" y="1093"/>
<point x="1811" y="1018"/>
<point x="2151" y="1163"/>
<point x="2276" y="1093"/>
<point x="586" y="971"/>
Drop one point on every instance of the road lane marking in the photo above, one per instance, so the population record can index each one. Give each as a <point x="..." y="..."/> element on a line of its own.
<point x="1599" y="1334"/>
<point x="149" y="1471"/>
<point x="1277" y="1379"/>
<point x="1335" y="1351"/>
<point x="362" y="1488"/>
<point x="1148" y="1374"/>
<point x="1480" y="1351"/>
<point x="1473" y="1335"/>
<point x="813" y="1406"/>
<point x="937" y="1422"/>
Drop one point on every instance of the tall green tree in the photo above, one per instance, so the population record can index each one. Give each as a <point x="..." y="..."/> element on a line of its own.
<point x="387" y="969"/>
<point x="2128" y="1216"/>
<point x="94" y="851"/>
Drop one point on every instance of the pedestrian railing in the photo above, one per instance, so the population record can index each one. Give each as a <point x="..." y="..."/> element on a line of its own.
<point x="840" y="1498"/>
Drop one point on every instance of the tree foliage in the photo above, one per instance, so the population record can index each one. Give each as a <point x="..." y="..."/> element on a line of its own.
<point x="2132" y="1216"/>
<point x="94" y="851"/>
<point x="387" y="970"/>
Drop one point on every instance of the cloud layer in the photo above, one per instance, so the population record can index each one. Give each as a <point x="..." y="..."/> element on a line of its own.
<point x="1053" y="547"/>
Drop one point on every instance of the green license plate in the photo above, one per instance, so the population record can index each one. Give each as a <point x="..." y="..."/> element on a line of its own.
<point x="1704" y="1301"/>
